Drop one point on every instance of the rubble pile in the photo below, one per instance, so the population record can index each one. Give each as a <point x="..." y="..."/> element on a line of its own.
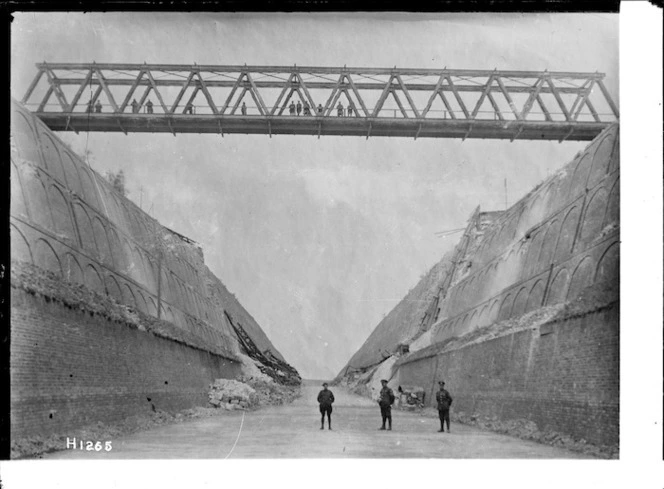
<point x="231" y="394"/>
<point x="272" y="393"/>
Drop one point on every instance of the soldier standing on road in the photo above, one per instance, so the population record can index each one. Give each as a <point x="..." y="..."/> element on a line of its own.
<point x="385" y="402"/>
<point x="444" y="402"/>
<point x="325" y="399"/>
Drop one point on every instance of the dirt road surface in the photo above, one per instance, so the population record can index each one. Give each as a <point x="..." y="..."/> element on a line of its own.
<point x="293" y="431"/>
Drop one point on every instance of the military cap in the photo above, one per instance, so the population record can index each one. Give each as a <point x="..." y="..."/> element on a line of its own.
<point x="383" y="380"/>
<point x="441" y="382"/>
<point x="324" y="384"/>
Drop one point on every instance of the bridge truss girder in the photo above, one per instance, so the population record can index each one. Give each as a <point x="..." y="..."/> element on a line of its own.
<point x="474" y="103"/>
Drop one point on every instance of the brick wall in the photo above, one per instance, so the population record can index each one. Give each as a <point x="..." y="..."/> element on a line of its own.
<point x="70" y="369"/>
<point x="564" y="376"/>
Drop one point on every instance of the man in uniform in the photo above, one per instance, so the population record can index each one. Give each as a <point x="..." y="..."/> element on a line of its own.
<point x="444" y="402"/>
<point x="385" y="402"/>
<point x="325" y="400"/>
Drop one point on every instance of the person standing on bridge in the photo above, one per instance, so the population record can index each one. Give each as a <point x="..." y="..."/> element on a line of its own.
<point x="307" y="109"/>
<point x="325" y="400"/>
<point x="90" y="107"/>
<point x="444" y="401"/>
<point x="385" y="401"/>
<point x="340" y="110"/>
<point x="320" y="109"/>
<point x="134" y="106"/>
<point x="299" y="107"/>
<point x="244" y="108"/>
<point x="98" y="107"/>
<point x="350" y="110"/>
<point x="291" y="108"/>
<point x="149" y="106"/>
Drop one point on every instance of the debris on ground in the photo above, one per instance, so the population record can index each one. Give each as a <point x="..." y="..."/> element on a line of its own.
<point x="231" y="394"/>
<point x="272" y="393"/>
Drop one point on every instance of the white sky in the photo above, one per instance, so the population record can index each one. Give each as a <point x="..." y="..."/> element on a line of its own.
<point x="319" y="239"/>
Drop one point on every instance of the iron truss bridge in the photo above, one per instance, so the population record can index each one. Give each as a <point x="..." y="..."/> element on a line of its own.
<point x="394" y="102"/>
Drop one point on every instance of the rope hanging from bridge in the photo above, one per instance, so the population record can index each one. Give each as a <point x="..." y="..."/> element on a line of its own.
<point x="270" y="100"/>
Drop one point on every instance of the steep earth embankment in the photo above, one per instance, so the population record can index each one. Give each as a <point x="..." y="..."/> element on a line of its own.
<point x="502" y="334"/>
<point x="112" y="313"/>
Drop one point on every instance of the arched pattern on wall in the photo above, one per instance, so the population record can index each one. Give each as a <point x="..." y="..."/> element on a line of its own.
<point x="613" y="207"/>
<point x="141" y="303"/>
<point x="20" y="248"/>
<point x="113" y="288"/>
<point x="549" y="244"/>
<point x="482" y="318"/>
<point x="594" y="217"/>
<point x="601" y="160"/>
<point x="580" y="177"/>
<point x="493" y="312"/>
<point x="558" y="288"/>
<point x="535" y="296"/>
<point x="150" y="277"/>
<point x="85" y="229"/>
<point x="534" y="250"/>
<point x="93" y="279"/>
<point x="152" y="307"/>
<point x="46" y="257"/>
<point x="89" y="189"/>
<point x="72" y="269"/>
<point x="25" y="140"/>
<point x="52" y="157"/>
<point x="128" y="296"/>
<point x="120" y="218"/>
<point x="71" y="170"/>
<point x="519" y="302"/>
<point x="505" y="307"/>
<point x="581" y="278"/>
<point x="608" y="267"/>
<point x="18" y="204"/>
<point x="40" y="207"/>
<point x="115" y="246"/>
<point x="615" y="157"/>
<point x="61" y="214"/>
<point x="567" y="232"/>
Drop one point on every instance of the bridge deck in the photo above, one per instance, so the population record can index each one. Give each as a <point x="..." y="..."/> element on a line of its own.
<point x="323" y="126"/>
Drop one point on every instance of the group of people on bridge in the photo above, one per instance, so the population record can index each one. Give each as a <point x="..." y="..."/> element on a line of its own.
<point x="305" y="109"/>
<point x="135" y="107"/>
<point x="385" y="401"/>
<point x="299" y="108"/>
